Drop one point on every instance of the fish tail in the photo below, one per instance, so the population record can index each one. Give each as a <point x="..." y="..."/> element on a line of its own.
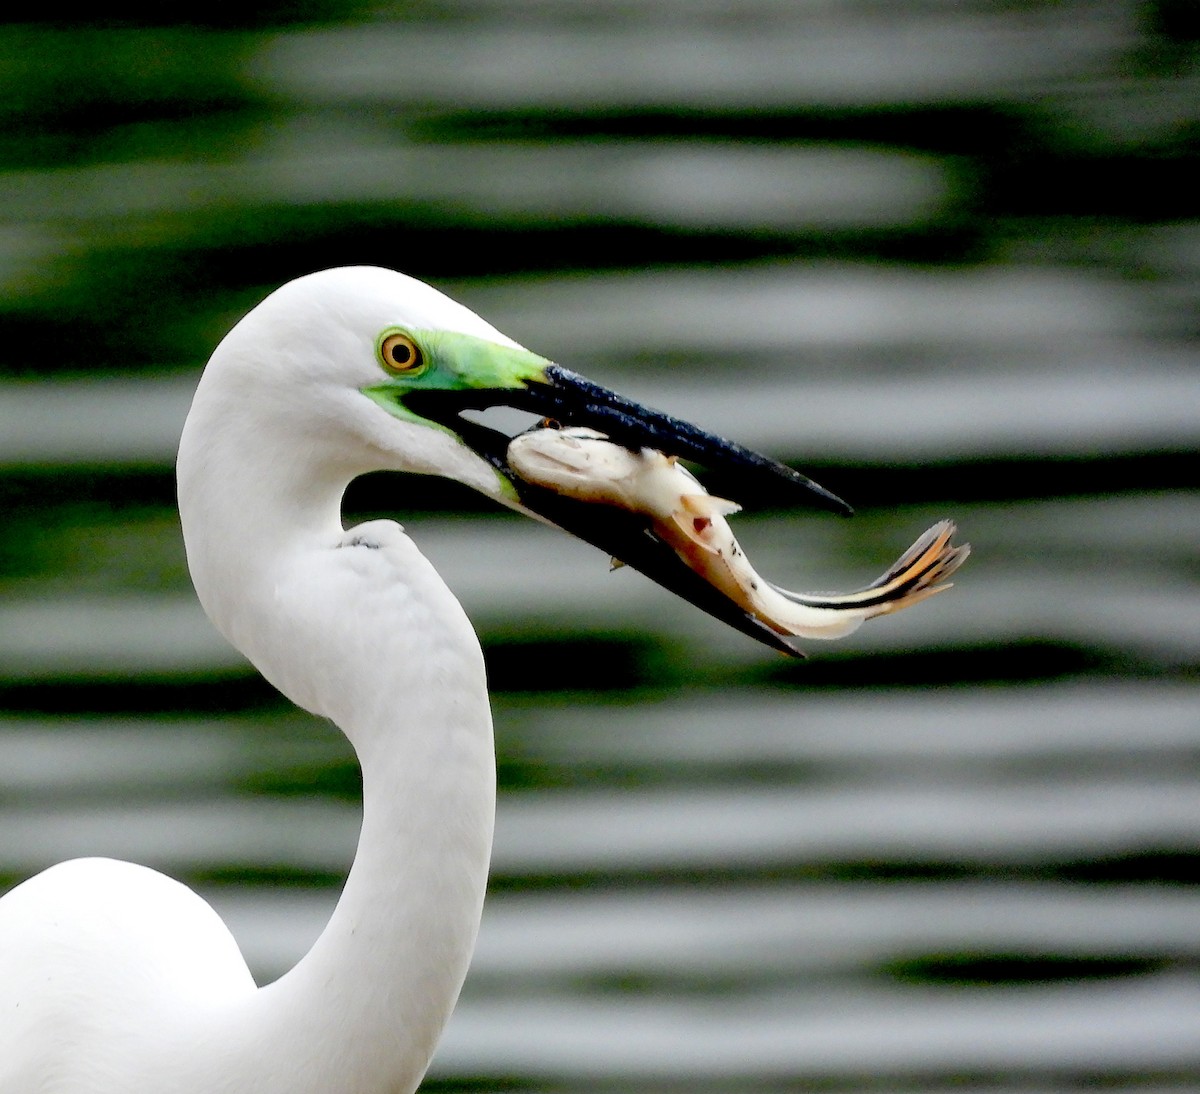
<point x="916" y="575"/>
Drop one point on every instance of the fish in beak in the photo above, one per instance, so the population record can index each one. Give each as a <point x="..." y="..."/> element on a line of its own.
<point x="605" y="469"/>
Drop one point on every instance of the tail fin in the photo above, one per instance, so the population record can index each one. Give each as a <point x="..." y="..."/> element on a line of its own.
<point x="916" y="575"/>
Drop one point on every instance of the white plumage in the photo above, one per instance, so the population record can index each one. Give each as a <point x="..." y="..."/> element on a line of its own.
<point x="115" y="979"/>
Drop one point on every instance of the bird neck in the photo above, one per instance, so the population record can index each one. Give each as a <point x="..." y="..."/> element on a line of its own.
<point x="368" y="635"/>
<point x="364" y="1009"/>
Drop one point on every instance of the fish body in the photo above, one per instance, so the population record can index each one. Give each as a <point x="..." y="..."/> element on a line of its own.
<point x="583" y="464"/>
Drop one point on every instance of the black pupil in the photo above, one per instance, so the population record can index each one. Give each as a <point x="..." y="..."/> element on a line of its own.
<point x="401" y="353"/>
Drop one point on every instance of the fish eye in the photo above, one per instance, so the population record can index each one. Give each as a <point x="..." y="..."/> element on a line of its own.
<point x="400" y="355"/>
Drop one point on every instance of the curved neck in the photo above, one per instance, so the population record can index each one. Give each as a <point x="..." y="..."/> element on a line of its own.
<point x="364" y="1009"/>
<point x="367" y="634"/>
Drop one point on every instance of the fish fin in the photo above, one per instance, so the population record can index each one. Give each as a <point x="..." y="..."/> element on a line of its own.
<point x="922" y="570"/>
<point x="707" y="505"/>
<point x="916" y="575"/>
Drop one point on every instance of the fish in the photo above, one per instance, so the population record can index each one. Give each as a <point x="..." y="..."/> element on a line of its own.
<point x="585" y="465"/>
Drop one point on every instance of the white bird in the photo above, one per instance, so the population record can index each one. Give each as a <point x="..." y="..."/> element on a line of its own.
<point x="115" y="979"/>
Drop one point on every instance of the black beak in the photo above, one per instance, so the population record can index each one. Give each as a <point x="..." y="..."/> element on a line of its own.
<point x="569" y="399"/>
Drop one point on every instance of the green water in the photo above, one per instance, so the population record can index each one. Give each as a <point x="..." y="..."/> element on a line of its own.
<point x="945" y="258"/>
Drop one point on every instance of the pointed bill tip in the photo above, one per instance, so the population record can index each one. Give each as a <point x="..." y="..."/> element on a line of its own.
<point x="573" y="399"/>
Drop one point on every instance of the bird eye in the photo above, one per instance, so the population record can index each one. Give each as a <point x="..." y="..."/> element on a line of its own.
<point x="400" y="355"/>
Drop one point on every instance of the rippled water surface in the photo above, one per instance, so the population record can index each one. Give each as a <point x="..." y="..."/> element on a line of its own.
<point x="944" y="257"/>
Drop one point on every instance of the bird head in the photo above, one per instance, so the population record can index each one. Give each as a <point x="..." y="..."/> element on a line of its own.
<point x="412" y="375"/>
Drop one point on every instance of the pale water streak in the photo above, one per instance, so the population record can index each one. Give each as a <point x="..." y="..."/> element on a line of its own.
<point x="756" y="931"/>
<point x="678" y="184"/>
<point x="669" y="63"/>
<point x="603" y="832"/>
<point x="849" y="1034"/>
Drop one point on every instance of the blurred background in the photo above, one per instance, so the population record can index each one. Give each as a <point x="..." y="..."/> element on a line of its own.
<point x="942" y="255"/>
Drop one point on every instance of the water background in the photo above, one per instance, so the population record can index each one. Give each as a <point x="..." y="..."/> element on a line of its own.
<point x="942" y="256"/>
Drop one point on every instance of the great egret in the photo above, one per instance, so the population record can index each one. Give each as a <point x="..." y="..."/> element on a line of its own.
<point x="115" y="979"/>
